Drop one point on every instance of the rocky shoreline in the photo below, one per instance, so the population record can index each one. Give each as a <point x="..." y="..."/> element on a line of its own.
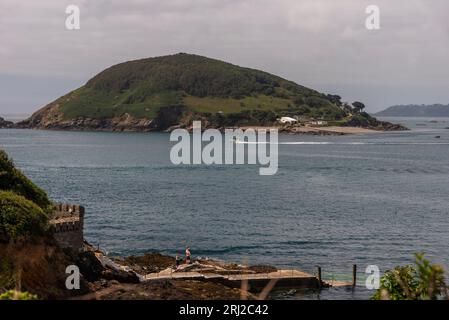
<point x="169" y="119"/>
<point x="117" y="125"/>
<point x="107" y="278"/>
<point x="127" y="123"/>
<point x="152" y="276"/>
<point x="122" y="124"/>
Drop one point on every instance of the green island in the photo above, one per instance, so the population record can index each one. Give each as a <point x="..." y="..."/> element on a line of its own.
<point x="161" y="93"/>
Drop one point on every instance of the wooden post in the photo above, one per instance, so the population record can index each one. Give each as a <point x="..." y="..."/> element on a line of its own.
<point x="354" y="275"/>
<point x="319" y="277"/>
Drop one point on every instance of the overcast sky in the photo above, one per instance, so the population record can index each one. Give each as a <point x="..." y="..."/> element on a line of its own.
<point x="322" y="44"/>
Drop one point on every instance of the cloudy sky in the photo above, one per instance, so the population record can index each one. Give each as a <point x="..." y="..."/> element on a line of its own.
<point x="322" y="44"/>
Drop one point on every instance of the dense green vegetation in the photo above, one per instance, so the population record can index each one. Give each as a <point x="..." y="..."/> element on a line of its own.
<point x="24" y="207"/>
<point x="192" y="74"/>
<point x="423" y="281"/>
<point x="13" y="180"/>
<point x="201" y="85"/>
<point x="20" y="218"/>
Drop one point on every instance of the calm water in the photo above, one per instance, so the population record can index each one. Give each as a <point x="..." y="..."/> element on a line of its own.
<point x="374" y="202"/>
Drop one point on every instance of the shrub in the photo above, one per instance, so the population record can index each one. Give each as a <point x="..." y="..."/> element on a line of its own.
<point x="17" y="295"/>
<point x="11" y="179"/>
<point x="20" y="218"/>
<point x="424" y="281"/>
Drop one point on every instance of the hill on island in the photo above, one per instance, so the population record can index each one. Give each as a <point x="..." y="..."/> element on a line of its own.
<point x="157" y="93"/>
<point x="414" y="110"/>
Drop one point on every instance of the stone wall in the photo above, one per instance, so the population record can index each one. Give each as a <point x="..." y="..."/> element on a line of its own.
<point x="68" y="224"/>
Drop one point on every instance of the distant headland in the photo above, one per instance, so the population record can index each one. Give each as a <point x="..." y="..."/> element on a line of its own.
<point x="414" y="110"/>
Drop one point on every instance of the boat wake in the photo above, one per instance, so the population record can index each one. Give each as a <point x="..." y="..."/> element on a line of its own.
<point x="345" y="143"/>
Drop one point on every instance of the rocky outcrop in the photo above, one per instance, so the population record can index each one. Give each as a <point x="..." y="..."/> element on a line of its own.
<point x="51" y="118"/>
<point x="170" y="290"/>
<point x="388" y="126"/>
<point x="368" y="122"/>
<point x="5" y="124"/>
<point x="124" y="123"/>
<point x="39" y="268"/>
<point x="148" y="263"/>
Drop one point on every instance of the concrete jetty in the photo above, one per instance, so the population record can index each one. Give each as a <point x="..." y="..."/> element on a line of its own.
<point x="281" y="279"/>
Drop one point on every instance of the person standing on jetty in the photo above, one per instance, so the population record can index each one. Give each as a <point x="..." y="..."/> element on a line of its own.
<point x="178" y="261"/>
<point x="188" y="261"/>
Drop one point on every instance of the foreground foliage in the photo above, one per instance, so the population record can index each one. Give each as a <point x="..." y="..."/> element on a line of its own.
<point x="24" y="207"/>
<point x="17" y="295"/>
<point x="423" y="281"/>
<point x="11" y="179"/>
<point x="20" y="218"/>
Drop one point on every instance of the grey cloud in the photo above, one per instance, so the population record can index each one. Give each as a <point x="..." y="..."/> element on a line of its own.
<point x="319" y="43"/>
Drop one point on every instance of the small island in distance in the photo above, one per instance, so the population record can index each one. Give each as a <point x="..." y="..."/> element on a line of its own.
<point x="168" y="92"/>
<point x="414" y="110"/>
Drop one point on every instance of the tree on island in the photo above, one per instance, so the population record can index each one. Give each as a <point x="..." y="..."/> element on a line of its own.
<point x="358" y="106"/>
<point x="334" y="98"/>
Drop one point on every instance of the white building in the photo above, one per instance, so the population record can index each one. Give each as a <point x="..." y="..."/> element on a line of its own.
<point x="287" y="120"/>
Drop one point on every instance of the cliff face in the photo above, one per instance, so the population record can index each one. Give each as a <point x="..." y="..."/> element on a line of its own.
<point x="37" y="267"/>
<point x="50" y="117"/>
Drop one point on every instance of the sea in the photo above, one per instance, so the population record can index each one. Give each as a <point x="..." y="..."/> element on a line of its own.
<point x="366" y="199"/>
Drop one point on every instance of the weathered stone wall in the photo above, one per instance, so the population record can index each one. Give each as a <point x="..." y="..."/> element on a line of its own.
<point x="68" y="224"/>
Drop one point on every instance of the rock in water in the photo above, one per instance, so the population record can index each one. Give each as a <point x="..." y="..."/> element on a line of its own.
<point x="5" y="124"/>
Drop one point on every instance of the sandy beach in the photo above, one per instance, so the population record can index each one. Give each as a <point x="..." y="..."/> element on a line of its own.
<point x="335" y="129"/>
<point x="331" y="130"/>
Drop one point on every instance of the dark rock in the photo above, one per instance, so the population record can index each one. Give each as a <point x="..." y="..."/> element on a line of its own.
<point x="92" y="270"/>
<point x="263" y="269"/>
<point x="387" y="126"/>
<point x="120" y="276"/>
<point x="90" y="267"/>
<point x="372" y="123"/>
<point x="5" y="124"/>
<point x="149" y="263"/>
